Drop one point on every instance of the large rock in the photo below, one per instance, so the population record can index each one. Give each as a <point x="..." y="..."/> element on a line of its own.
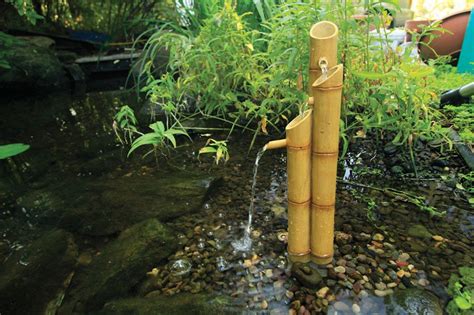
<point x="29" y="66"/>
<point x="419" y="231"/>
<point x="120" y="266"/>
<point x="413" y="302"/>
<point x="306" y="275"/>
<point x="108" y="206"/>
<point x="35" y="275"/>
<point x="180" y="304"/>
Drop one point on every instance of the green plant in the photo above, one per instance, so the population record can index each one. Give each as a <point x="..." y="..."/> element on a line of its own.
<point x="126" y="122"/>
<point x="159" y="138"/>
<point x="461" y="289"/>
<point x="25" y="8"/>
<point x="462" y="117"/>
<point x="217" y="148"/>
<point x="9" y="150"/>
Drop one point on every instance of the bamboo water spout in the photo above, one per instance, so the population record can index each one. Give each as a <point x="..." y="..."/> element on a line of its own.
<point x="298" y="145"/>
<point x="312" y="142"/>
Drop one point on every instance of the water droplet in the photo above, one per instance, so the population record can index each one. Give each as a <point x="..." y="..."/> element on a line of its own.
<point x="180" y="267"/>
<point x="207" y="206"/>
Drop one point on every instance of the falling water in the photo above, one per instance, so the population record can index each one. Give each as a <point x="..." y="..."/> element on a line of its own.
<point x="324" y="70"/>
<point x="245" y="243"/>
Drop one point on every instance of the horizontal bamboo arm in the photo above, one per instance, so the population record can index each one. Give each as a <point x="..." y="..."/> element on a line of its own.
<point x="275" y="144"/>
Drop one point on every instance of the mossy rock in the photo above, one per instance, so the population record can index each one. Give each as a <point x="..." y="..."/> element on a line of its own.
<point x="107" y="206"/>
<point x="180" y="304"/>
<point x="35" y="275"/>
<point x="419" y="231"/>
<point x="29" y="67"/>
<point x="121" y="265"/>
<point x="413" y="301"/>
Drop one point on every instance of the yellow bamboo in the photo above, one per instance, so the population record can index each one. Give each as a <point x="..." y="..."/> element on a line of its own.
<point x="298" y="136"/>
<point x="298" y="144"/>
<point x="323" y="44"/>
<point x="327" y="92"/>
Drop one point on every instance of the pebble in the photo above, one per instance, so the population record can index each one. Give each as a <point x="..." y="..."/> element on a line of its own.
<point x="423" y="282"/>
<point x="322" y="292"/>
<point x="391" y="285"/>
<point x="355" y="308"/>
<point x="403" y="257"/>
<point x="381" y="286"/>
<point x="264" y="304"/>
<point x="378" y="237"/>
<point x="383" y="293"/>
<point x="268" y="273"/>
<point x="400" y="273"/>
<point x="340" y="269"/>
<point x="438" y="238"/>
<point x="289" y="294"/>
<point x="341" y="306"/>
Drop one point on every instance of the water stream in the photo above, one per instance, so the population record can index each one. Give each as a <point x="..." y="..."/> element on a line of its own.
<point x="245" y="243"/>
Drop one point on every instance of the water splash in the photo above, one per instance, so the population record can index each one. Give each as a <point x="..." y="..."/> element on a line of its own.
<point x="324" y="69"/>
<point x="245" y="243"/>
<point x="180" y="267"/>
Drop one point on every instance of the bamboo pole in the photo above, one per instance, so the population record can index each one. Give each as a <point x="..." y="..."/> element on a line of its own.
<point x="298" y="144"/>
<point x="323" y="45"/>
<point x="325" y="143"/>
<point x="298" y="135"/>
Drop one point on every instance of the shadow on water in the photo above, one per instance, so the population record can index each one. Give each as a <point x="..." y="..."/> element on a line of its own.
<point x="119" y="230"/>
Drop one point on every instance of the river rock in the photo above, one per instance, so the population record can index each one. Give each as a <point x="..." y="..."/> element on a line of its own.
<point x="307" y="276"/>
<point x="35" y="275"/>
<point x="29" y="66"/>
<point x="419" y="231"/>
<point x="107" y="206"/>
<point x="180" y="304"/>
<point x="120" y="266"/>
<point x="413" y="301"/>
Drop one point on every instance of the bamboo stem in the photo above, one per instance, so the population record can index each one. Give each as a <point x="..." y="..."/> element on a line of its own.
<point x="327" y="91"/>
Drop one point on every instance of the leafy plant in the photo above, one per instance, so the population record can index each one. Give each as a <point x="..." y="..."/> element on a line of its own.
<point x="9" y="150"/>
<point x="461" y="289"/>
<point x="217" y="148"/>
<point x="160" y="138"/>
<point x="126" y="122"/>
<point x="25" y="8"/>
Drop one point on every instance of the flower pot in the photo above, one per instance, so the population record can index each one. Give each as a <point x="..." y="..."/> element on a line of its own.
<point x="414" y="26"/>
<point x="448" y="43"/>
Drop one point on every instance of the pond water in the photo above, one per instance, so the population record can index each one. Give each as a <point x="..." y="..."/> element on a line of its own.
<point x="86" y="230"/>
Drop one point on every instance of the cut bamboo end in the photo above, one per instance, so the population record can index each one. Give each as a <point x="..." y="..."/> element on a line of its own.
<point x="323" y="36"/>
<point x="298" y="131"/>
<point x="321" y="260"/>
<point x="331" y="80"/>
<point x="299" y="258"/>
<point x="275" y="144"/>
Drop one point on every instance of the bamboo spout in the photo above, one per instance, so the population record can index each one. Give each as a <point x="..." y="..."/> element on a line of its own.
<point x="275" y="144"/>
<point x="323" y="40"/>
<point x="327" y="93"/>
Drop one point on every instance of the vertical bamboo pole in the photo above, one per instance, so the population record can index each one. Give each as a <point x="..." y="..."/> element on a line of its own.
<point x="298" y="139"/>
<point x="325" y="137"/>
<point x="327" y="107"/>
<point x="323" y="44"/>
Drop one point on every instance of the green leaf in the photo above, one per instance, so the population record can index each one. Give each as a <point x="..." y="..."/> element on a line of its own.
<point x="207" y="150"/>
<point x="13" y="149"/>
<point x="371" y="75"/>
<point x="462" y="303"/>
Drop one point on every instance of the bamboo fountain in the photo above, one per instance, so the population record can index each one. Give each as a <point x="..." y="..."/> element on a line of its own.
<point x="312" y="142"/>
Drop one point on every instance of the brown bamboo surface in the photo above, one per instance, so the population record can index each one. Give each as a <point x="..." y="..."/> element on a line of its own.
<point x="298" y="136"/>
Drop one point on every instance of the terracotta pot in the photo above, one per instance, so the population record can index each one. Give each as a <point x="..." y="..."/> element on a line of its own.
<point x="414" y="26"/>
<point x="447" y="44"/>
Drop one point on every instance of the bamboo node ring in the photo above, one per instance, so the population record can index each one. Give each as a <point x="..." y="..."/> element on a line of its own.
<point x="298" y="148"/>
<point x="329" y="88"/>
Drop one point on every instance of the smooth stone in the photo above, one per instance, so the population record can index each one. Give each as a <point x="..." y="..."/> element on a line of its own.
<point x="321" y="293"/>
<point x="419" y="231"/>
<point x="35" y="275"/>
<point x="378" y="237"/>
<point x="403" y="257"/>
<point x="356" y="308"/>
<point x="306" y="275"/>
<point x="341" y="306"/>
<point x="382" y="293"/>
<point x="179" y="304"/>
<point x="102" y="207"/>
<point x="340" y="269"/>
<point x="413" y="301"/>
<point x="121" y="265"/>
